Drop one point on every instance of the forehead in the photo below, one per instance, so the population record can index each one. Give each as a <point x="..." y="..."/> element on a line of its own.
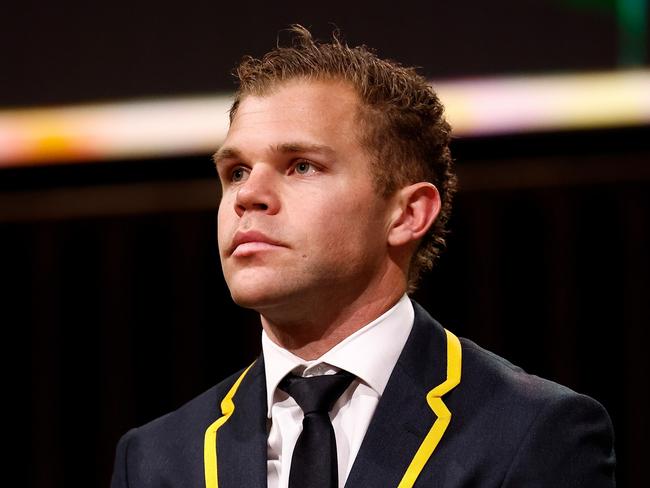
<point x="320" y="111"/>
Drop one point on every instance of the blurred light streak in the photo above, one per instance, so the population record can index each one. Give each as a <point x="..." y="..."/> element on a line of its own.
<point x="475" y="107"/>
<point x="112" y="131"/>
<point x="484" y="107"/>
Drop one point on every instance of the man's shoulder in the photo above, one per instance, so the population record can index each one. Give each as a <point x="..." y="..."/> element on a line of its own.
<point x="168" y="447"/>
<point x="533" y="424"/>
<point x="484" y="374"/>
<point x="485" y="371"/>
<point x="494" y="394"/>
<point x="190" y="419"/>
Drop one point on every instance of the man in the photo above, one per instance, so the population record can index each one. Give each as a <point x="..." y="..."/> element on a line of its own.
<point x="337" y="186"/>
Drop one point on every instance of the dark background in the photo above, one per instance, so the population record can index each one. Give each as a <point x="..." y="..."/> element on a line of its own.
<point x="71" y="51"/>
<point x="114" y="307"/>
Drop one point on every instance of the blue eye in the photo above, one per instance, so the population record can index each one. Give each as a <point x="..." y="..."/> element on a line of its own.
<point x="238" y="174"/>
<point x="303" y="167"/>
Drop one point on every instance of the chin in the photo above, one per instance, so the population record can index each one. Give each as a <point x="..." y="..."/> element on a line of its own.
<point x="255" y="293"/>
<point x="248" y="299"/>
<point x="265" y="289"/>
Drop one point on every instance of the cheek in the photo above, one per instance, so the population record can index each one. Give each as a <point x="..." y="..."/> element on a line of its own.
<point x="345" y="228"/>
<point x="222" y="226"/>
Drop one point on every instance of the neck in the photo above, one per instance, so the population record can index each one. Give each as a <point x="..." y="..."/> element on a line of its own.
<point x="310" y="331"/>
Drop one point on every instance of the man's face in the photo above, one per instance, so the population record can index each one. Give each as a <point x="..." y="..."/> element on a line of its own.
<point x="300" y="223"/>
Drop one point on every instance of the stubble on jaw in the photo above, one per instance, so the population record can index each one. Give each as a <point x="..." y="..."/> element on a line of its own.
<point x="313" y="330"/>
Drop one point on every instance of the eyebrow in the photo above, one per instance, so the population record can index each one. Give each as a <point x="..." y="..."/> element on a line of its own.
<point x="299" y="147"/>
<point x="284" y="148"/>
<point x="225" y="153"/>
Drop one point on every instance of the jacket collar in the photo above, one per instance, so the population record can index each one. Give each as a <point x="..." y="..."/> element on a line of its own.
<point x="403" y="418"/>
<point x="401" y="422"/>
<point x="241" y="441"/>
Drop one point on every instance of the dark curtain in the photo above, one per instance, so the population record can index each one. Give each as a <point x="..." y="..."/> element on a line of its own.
<point x="116" y="315"/>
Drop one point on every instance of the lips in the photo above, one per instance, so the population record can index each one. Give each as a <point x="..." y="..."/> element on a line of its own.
<point x="249" y="242"/>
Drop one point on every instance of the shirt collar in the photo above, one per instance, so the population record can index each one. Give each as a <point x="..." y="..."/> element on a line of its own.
<point x="370" y="353"/>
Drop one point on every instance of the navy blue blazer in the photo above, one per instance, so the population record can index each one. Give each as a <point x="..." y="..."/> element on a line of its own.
<point x="497" y="426"/>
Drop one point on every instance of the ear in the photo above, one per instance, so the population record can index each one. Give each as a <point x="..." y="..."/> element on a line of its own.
<point x="417" y="207"/>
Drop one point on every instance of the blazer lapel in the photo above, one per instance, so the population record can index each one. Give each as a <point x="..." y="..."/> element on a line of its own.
<point x="241" y="441"/>
<point x="403" y="418"/>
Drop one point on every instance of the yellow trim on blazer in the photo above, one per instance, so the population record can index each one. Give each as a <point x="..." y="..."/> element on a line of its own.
<point x="430" y="442"/>
<point x="210" y="442"/>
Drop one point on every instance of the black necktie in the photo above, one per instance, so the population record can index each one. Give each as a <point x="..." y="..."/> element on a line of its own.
<point x="314" y="458"/>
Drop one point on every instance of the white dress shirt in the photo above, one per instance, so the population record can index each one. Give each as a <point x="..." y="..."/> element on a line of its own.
<point x="370" y="354"/>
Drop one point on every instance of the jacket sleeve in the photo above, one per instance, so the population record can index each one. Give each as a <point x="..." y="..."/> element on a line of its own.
<point x="569" y="444"/>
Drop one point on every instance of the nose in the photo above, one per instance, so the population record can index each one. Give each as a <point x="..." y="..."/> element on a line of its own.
<point x="258" y="192"/>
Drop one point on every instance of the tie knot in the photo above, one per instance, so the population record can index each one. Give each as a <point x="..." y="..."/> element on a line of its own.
<point x="316" y="393"/>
